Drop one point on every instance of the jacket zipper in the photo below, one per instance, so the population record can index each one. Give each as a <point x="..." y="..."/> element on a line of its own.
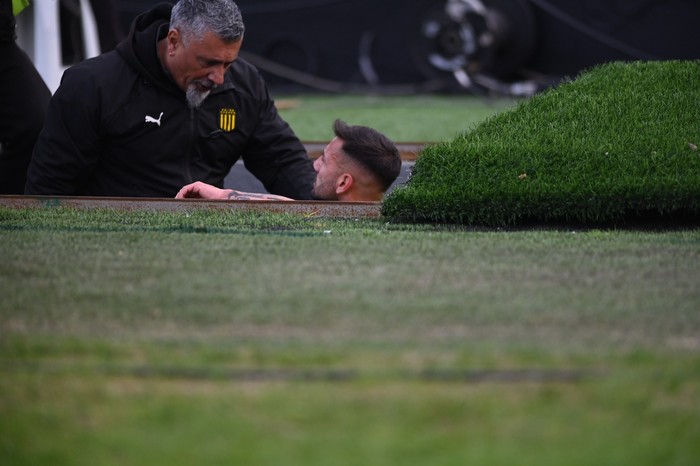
<point x="193" y="142"/>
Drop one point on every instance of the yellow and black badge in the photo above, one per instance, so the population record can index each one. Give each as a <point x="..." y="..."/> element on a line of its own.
<point x="227" y="119"/>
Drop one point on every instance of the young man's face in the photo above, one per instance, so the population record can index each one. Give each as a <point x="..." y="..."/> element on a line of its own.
<point x="328" y="169"/>
<point x="197" y="66"/>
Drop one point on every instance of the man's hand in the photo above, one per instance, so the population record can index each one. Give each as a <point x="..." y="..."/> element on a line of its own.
<point x="199" y="190"/>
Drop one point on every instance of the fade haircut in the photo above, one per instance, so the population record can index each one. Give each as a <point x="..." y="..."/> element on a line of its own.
<point x="193" y="18"/>
<point x="371" y="150"/>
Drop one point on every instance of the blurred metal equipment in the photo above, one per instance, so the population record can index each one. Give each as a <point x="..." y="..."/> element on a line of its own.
<point x="416" y="46"/>
<point x="479" y="43"/>
<point x="509" y="47"/>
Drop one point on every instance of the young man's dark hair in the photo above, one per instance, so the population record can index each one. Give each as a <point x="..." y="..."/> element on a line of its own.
<point x="371" y="149"/>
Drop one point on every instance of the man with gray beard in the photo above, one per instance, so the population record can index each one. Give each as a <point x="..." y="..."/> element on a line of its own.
<point x="173" y="104"/>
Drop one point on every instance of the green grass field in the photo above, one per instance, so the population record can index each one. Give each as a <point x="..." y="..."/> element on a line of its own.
<point x="202" y="337"/>
<point x="218" y="338"/>
<point x="403" y="119"/>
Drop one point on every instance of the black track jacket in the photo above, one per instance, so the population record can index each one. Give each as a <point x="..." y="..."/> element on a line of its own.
<point x="119" y="126"/>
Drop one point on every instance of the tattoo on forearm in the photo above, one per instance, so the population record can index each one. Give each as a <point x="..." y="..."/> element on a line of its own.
<point x="243" y="196"/>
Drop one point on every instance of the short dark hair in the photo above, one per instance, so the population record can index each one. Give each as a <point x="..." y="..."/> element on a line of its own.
<point x="371" y="149"/>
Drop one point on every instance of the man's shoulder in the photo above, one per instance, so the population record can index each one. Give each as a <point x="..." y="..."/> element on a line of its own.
<point x="105" y="79"/>
<point x="103" y="68"/>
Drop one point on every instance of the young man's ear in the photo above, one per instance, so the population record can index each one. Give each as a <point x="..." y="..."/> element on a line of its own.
<point x="343" y="183"/>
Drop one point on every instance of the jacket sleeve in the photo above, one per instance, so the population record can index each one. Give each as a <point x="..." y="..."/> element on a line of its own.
<point x="67" y="149"/>
<point x="275" y="155"/>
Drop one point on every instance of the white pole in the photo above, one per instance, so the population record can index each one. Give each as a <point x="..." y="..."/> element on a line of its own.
<point x="39" y="35"/>
<point x="47" y="42"/>
<point x="91" y="38"/>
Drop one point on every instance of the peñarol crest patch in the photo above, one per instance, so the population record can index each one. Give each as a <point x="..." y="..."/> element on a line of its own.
<point x="227" y="119"/>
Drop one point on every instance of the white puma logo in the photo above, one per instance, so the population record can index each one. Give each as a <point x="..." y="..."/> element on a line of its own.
<point x="150" y="119"/>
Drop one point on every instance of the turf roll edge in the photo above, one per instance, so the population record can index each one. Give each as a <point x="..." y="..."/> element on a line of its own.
<point x="617" y="144"/>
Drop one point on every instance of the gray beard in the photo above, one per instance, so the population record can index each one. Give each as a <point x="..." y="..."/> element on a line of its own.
<point x="195" y="97"/>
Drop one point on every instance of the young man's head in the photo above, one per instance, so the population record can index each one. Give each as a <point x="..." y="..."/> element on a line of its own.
<point x="359" y="164"/>
<point x="204" y="39"/>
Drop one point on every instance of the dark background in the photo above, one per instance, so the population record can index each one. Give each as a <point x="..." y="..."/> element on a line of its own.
<point x="546" y="39"/>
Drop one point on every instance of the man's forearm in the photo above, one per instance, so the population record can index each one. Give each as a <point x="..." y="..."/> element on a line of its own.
<point x="243" y="196"/>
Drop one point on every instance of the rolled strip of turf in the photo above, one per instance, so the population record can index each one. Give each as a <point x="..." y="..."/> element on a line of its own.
<point x="617" y="144"/>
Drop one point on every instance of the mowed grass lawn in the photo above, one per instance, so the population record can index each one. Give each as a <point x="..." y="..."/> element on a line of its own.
<point x="421" y="118"/>
<point x="137" y="338"/>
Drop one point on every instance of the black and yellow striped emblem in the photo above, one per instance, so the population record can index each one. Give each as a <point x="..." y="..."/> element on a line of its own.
<point x="227" y="119"/>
